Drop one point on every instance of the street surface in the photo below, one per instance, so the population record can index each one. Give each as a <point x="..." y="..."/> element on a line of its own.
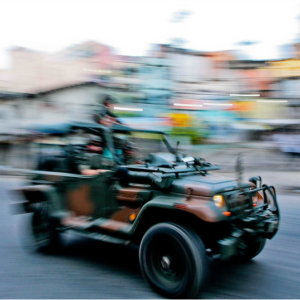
<point x="91" y="269"/>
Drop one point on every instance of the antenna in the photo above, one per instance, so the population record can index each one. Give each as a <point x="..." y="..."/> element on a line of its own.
<point x="239" y="169"/>
<point x="176" y="152"/>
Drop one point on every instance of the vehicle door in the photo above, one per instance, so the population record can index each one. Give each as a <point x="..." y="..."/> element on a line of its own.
<point x="89" y="197"/>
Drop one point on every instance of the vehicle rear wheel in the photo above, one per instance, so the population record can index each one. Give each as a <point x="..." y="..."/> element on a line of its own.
<point x="45" y="235"/>
<point x="173" y="260"/>
<point x="253" y="250"/>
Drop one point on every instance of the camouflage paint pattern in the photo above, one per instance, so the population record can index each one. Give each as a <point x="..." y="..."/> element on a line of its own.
<point x="100" y="202"/>
<point x="79" y="201"/>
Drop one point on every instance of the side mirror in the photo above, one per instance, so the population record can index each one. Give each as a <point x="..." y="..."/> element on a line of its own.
<point x="255" y="180"/>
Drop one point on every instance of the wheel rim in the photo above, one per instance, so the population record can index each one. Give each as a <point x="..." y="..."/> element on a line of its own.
<point x="167" y="262"/>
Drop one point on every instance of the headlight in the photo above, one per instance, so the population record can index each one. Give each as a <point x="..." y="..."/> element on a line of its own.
<point x="219" y="200"/>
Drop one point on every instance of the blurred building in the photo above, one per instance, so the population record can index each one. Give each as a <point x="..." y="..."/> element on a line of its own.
<point x="189" y="69"/>
<point x="73" y="102"/>
<point x="125" y="72"/>
<point x="195" y="71"/>
<point x="285" y="75"/>
<point x="254" y="76"/>
<point x="65" y="83"/>
<point x="98" y="55"/>
<point x="33" y="71"/>
<point x="156" y="84"/>
<point x="168" y="71"/>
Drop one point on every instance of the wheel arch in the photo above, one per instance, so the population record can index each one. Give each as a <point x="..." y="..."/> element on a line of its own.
<point x="155" y="215"/>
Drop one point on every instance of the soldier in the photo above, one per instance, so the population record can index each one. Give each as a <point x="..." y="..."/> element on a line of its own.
<point x="103" y="117"/>
<point x="95" y="145"/>
<point x="130" y="153"/>
<point x="90" y="164"/>
<point x="106" y="102"/>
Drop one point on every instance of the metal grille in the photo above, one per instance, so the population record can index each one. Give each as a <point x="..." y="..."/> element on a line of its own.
<point x="239" y="204"/>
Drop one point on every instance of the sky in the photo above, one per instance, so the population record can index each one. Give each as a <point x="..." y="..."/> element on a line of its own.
<point x="131" y="26"/>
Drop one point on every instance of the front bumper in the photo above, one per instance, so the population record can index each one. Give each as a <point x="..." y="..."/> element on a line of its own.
<point x="251" y="225"/>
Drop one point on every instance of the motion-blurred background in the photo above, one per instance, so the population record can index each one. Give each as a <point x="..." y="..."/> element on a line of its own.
<point x="220" y="76"/>
<point x="206" y="72"/>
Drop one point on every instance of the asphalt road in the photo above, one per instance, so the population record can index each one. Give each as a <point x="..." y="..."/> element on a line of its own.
<point x="90" y="269"/>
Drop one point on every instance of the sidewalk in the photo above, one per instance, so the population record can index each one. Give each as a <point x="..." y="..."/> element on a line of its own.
<point x="282" y="181"/>
<point x="254" y="154"/>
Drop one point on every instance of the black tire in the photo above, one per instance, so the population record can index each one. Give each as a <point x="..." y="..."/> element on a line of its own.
<point x="253" y="250"/>
<point x="46" y="238"/>
<point x="173" y="260"/>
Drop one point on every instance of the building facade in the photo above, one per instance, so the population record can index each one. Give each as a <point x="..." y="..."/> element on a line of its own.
<point x="33" y="71"/>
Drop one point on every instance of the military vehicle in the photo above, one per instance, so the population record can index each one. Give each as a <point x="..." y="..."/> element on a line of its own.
<point x="174" y="207"/>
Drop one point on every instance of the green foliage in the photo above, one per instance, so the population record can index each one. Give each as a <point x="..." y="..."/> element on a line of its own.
<point x="127" y="114"/>
<point x="196" y="136"/>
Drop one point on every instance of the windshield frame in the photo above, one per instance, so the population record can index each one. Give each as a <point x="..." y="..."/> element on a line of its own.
<point x="164" y="139"/>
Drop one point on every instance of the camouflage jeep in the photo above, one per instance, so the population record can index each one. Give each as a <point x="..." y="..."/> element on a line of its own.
<point x="171" y="205"/>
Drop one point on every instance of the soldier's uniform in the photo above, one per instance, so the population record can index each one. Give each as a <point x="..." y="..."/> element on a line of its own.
<point x="130" y="154"/>
<point x="103" y="108"/>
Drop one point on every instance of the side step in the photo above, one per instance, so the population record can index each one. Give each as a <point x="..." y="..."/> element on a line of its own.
<point x="100" y="237"/>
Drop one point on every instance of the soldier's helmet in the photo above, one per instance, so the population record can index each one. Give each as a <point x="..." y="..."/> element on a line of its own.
<point x="95" y="144"/>
<point x="106" y="99"/>
<point x="130" y="148"/>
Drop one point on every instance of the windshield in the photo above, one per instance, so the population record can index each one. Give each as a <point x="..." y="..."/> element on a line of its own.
<point x="142" y="144"/>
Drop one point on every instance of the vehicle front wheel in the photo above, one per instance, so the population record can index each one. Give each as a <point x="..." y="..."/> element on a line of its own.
<point x="173" y="260"/>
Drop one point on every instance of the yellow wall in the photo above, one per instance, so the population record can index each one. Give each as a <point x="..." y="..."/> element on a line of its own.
<point x="285" y="68"/>
<point x="261" y="110"/>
